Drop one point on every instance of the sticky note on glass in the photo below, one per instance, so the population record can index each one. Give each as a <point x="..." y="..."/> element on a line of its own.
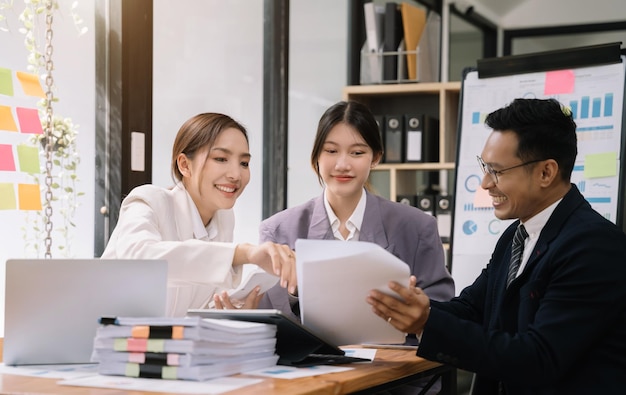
<point x="6" y="82"/>
<point x="601" y="165"/>
<point x="7" y="162"/>
<point x="30" y="84"/>
<point x="7" y="196"/>
<point x="29" y="120"/>
<point x="29" y="196"/>
<point x="28" y="156"/>
<point x="7" y="122"/>
<point x="559" y="82"/>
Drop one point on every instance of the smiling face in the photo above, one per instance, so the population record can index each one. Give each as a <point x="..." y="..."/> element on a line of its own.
<point x="518" y="193"/>
<point x="217" y="176"/>
<point x="344" y="163"/>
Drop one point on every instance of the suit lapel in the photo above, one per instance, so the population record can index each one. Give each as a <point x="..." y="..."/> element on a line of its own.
<point x="320" y="226"/>
<point x="373" y="226"/>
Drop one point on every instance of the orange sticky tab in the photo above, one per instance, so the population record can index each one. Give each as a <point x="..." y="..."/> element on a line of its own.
<point x="30" y="84"/>
<point x="136" y="345"/>
<point x="29" y="196"/>
<point x="140" y="332"/>
<point x="7" y="122"/>
<point x="178" y="332"/>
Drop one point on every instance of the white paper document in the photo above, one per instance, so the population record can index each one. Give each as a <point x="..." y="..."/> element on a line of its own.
<point x="216" y="386"/>
<point x="334" y="278"/>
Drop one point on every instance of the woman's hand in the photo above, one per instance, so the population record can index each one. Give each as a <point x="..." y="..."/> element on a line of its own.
<point x="274" y="258"/>
<point x="223" y="302"/>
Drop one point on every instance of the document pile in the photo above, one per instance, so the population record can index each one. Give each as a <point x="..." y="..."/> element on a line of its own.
<point x="189" y="348"/>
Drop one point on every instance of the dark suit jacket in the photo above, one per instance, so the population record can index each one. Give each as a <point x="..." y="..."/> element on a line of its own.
<point x="560" y="327"/>
<point x="405" y="231"/>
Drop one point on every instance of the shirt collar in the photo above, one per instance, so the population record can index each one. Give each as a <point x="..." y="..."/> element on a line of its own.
<point x="354" y="222"/>
<point x="200" y="232"/>
<point x="535" y="224"/>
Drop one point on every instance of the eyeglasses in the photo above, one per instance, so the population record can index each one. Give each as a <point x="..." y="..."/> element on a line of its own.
<point x="487" y="169"/>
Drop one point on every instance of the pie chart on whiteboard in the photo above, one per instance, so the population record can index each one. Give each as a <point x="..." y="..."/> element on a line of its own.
<point x="469" y="227"/>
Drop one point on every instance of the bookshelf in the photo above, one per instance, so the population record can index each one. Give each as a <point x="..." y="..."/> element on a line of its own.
<point x="437" y="99"/>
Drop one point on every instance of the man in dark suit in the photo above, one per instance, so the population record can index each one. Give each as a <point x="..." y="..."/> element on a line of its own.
<point x="552" y="321"/>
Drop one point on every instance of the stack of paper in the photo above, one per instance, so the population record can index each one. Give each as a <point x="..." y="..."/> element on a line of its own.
<point x="189" y="348"/>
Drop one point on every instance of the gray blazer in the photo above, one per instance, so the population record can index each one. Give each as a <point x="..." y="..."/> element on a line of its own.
<point x="405" y="231"/>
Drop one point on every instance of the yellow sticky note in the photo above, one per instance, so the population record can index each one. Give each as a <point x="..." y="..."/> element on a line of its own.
<point x="28" y="157"/>
<point x="601" y="165"/>
<point x="29" y="196"/>
<point x="30" y="84"/>
<point x="7" y="122"/>
<point x="6" y="82"/>
<point x="7" y="196"/>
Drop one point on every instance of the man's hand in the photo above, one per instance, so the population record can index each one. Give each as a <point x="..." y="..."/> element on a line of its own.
<point x="408" y="313"/>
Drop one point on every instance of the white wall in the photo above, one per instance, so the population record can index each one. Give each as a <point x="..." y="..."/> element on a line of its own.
<point x="74" y="77"/>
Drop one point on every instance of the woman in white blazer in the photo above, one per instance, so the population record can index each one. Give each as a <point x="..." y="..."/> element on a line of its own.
<point x="191" y="225"/>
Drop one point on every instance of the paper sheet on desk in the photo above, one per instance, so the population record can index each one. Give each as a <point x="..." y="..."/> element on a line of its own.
<point x="334" y="278"/>
<point x="215" y="386"/>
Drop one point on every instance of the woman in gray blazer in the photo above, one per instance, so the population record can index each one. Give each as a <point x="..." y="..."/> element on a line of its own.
<point x="347" y="146"/>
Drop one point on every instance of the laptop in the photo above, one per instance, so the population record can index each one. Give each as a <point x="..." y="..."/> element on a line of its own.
<point x="52" y="306"/>
<point x="295" y="344"/>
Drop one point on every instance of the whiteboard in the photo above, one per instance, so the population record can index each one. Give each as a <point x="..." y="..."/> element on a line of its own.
<point x="595" y="96"/>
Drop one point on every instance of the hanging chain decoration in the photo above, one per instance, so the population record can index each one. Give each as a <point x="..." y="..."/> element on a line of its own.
<point x="49" y="127"/>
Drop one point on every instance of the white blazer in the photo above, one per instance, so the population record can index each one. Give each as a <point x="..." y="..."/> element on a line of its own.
<point x="157" y="223"/>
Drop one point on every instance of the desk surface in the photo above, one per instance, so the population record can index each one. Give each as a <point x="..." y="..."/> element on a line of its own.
<point x="389" y="365"/>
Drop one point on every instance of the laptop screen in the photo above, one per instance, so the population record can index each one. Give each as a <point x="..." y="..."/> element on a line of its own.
<point x="52" y="306"/>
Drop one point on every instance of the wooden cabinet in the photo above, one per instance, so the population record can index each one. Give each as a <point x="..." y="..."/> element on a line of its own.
<point x="438" y="100"/>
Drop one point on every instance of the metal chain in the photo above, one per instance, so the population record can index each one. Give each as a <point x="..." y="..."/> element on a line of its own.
<point x="49" y="127"/>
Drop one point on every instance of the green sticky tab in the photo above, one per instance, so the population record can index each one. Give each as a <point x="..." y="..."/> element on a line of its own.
<point x="132" y="370"/>
<point x="170" y="372"/>
<point x="155" y="345"/>
<point x="28" y="157"/>
<point x="119" y="344"/>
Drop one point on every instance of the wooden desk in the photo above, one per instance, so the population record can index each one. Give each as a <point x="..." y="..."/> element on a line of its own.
<point x="390" y="368"/>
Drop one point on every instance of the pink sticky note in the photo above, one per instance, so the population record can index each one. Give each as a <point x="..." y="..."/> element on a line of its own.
<point x="7" y="162"/>
<point x="29" y="120"/>
<point x="558" y="82"/>
<point x="482" y="198"/>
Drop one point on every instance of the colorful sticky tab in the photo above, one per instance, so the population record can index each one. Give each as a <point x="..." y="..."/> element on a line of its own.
<point x="140" y="331"/>
<point x="155" y="345"/>
<point x="28" y="156"/>
<point x="30" y="84"/>
<point x="136" y="345"/>
<point x="173" y="359"/>
<point x="178" y="332"/>
<point x="30" y="196"/>
<point x="7" y="122"/>
<point x="7" y="196"/>
<point x="29" y="120"/>
<point x="7" y="162"/>
<point x="559" y="82"/>
<point x="601" y="165"/>
<point x="6" y="82"/>
<point x="169" y="372"/>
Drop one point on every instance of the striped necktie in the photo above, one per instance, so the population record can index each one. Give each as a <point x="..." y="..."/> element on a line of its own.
<point x="517" y="250"/>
